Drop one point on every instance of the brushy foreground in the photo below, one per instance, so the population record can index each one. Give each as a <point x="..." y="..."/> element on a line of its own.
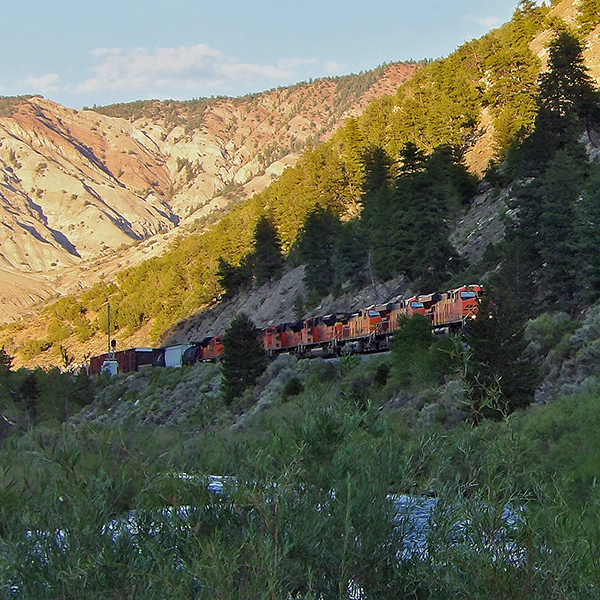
<point x="334" y="485"/>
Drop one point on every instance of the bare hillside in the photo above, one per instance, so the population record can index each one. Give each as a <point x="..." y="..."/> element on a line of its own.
<point x="80" y="190"/>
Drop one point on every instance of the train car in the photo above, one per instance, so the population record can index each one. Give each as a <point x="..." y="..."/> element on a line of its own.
<point x="192" y="354"/>
<point x="389" y="314"/>
<point x="96" y="363"/>
<point x="365" y="323"/>
<point x="212" y="348"/>
<point x="174" y="354"/>
<point x="455" y="307"/>
<point x="132" y="359"/>
<point x="158" y="357"/>
<point x="271" y="339"/>
<point x="316" y="336"/>
<point x="307" y="333"/>
<point x="291" y="335"/>
<point x="330" y="328"/>
<point x="286" y="337"/>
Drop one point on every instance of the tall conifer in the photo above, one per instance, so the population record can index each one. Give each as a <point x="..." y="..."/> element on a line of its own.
<point x="244" y="357"/>
<point x="267" y="257"/>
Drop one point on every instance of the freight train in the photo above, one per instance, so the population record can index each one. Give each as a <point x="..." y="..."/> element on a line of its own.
<point x="368" y="330"/>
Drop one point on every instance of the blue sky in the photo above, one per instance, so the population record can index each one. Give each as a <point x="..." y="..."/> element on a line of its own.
<point x="85" y="53"/>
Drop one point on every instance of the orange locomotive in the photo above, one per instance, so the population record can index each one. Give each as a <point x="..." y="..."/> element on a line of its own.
<point x="371" y="329"/>
<point x="368" y="330"/>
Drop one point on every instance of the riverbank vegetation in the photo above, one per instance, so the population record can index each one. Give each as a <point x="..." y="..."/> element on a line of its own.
<point x="349" y="479"/>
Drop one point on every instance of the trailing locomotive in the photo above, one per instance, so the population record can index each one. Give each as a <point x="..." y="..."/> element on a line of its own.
<point x="368" y="330"/>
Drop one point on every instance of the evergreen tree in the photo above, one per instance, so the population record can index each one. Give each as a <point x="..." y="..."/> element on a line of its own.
<point x="378" y="167"/>
<point x="547" y="231"/>
<point x="350" y="146"/>
<point x="82" y="389"/>
<point x="567" y="91"/>
<point x="450" y="178"/>
<point x="350" y="252"/>
<point x="5" y="372"/>
<point x="511" y="72"/>
<point x="381" y="224"/>
<point x="234" y="278"/>
<point x="5" y="362"/>
<point x="568" y="105"/>
<point x="514" y="282"/>
<point x="29" y="393"/>
<point x="412" y="159"/>
<point x="424" y="201"/>
<point x="553" y="233"/>
<point x="499" y="375"/>
<point x="410" y="350"/>
<point x="587" y="243"/>
<point x="559" y="192"/>
<point x="589" y="15"/>
<point x="407" y="226"/>
<point x="316" y="249"/>
<point x="267" y="258"/>
<point x="377" y="209"/>
<point x="244" y="357"/>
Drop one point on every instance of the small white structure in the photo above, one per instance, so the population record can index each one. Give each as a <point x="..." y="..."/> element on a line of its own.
<point x="110" y="367"/>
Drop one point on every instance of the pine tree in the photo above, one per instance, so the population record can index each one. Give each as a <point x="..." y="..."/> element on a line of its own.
<point x="234" y="278"/>
<point x="5" y="373"/>
<point x="267" y="257"/>
<point x="559" y="192"/>
<point x="29" y="393"/>
<point x="548" y="231"/>
<point x="412" y="159"/>
<point x="315" y="249"/>
<point x="5" y="361"/>
<point x="500" y="376"/>
<point x="569" y="104"/>
<point x="244" y="357"/>
<point x="587" y="243"/>
<point x="589" y="15"/>
<point x="377" y="210"/>
<point x="350" y="252"/>
<point x="424" y="202"/>
<point x="410" y="349"/>
<point x="378" y="167"/>
<point x="567" y="91"/>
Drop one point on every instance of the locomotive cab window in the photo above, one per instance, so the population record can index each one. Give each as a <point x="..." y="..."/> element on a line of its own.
<point x="468" y="295"/>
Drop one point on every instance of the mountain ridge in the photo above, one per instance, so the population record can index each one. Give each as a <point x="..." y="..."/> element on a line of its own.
<point x="77" y="186"/>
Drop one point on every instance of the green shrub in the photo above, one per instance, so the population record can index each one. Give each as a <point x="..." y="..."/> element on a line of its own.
<point x="292" y="387"/>
<point x="32" y="348"/>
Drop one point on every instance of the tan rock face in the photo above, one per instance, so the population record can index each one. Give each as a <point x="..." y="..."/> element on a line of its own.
<point x="78" y="188"/>
<point x="478" y="156"/>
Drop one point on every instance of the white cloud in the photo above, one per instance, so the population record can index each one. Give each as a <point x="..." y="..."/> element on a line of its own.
<point x="487" y="22"/>
<point x="290" y="64"/>
<point x="46" y="84"/>
<point x="332" y="67"/>
<point x="189" y="68"/>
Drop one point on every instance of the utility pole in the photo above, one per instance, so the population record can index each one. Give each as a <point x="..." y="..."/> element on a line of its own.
<point x="110" y="365"/>
<point x="108" y="327"/>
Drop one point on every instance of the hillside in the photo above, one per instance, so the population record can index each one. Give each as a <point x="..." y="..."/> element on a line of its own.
<point x="82" y="189"/>
<point x="390" y="188"/>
